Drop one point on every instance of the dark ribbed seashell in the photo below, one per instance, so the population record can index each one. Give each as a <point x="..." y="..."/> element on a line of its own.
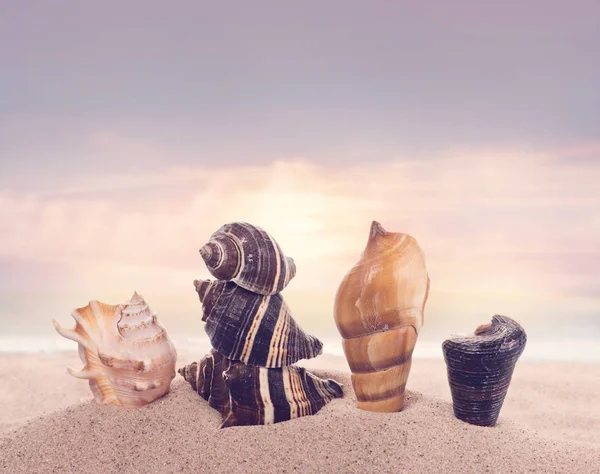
<point x="255" y="329"/>
<point x="480" y="368"/>
<point x="257" y="395"/>
<point x="206" y="378"/>
<point x="248" y="256"/>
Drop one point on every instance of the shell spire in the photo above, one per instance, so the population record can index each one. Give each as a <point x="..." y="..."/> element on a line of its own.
<point x="376" y="229"/>
<point x="247" y="395"/>
<point x="248" y="256"/>
<point x="480" y="368"/>
<point x="255" y="329"/>
<point x="128" y="358"/>
<point x="379" y="311"/>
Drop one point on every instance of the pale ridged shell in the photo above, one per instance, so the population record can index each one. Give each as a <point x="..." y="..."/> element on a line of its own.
<point x="246" y="395"/>
<point x="480" y="368"/>
<point x="248" y="256"/>
<point x="127" y="355"/>
<point x="379" y="311"/>
<point x="255" y="329"/>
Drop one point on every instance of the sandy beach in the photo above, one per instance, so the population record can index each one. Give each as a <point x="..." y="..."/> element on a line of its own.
<point x="50" y="423"/>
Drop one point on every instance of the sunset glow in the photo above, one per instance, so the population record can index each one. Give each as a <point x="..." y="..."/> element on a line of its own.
<point x="502" y="231"/>
<point x="126" y="140"/>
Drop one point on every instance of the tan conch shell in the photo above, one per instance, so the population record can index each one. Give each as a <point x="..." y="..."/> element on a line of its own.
<point x="379" y="312"/>
<point x="127" y="355"/>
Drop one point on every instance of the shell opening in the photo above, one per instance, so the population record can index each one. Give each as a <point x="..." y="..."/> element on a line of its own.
<point x="483" y="329"/>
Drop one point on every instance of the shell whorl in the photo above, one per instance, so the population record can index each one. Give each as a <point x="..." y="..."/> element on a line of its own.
<point x="379" y="310"/>
<point x="247" y="395"/>
<point x="137" y="321"/>
<point x="255" y="329"/>
<point x="209" y="291"/>
<point x="386" y="289"/>
<point x="480" y="367"/>
<point x="250" y="257"/>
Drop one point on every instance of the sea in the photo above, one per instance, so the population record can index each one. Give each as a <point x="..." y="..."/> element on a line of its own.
<point x="565" y="350"/>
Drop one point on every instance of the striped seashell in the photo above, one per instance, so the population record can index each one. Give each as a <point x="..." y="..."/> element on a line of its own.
<point x="255" y="329"/>
<point x="206" y="378"/>
<point x="378" y="311"/>
<point x="128" y="357"/>
<point x="249" y="256"/>
<point x="480" y="368"/>
<point x="246" y="395"/>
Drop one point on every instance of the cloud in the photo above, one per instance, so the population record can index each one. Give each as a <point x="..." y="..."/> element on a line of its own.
<point x="503" y="231"/>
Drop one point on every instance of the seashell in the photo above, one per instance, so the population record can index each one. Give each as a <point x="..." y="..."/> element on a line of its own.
<point x="246" y="395"/>
<point x="378" y="311"/>
<point x="206" y="378"/>
<point x="480" y="367"/>
<point x="248" y="256"/>
<point x="128" y="357"/>
<point x="255" y="329"/>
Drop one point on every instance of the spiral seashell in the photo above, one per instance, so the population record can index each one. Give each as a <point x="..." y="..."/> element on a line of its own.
<point x="378" y="311"/>
<point x="246" y="395"/>
<point x="480" y="368"/>
<point x="255" y="329"/>
<point x="206" y="378"/>
<point x="128" y="357"/>
<point x="248" y="256"/>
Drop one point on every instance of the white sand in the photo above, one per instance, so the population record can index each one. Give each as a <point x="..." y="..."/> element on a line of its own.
<point x="550" y="422"/>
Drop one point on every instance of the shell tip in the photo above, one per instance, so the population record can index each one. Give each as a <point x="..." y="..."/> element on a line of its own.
<point x="205" y="252"/>
<point x="136" y="297"/>
<point x="376" y="229"/>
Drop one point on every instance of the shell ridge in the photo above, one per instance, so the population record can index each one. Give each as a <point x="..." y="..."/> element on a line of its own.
<point x="85" y="326"/>
<point x="241" y="257"/>
<point x="412" y="313"/>
<point x="253" y="330"/>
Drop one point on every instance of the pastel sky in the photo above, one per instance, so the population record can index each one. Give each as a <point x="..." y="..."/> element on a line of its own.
<point x="130" y="131"/>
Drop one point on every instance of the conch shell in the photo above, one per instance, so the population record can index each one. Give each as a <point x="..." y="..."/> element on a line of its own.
<point x="255" y="329"/>
<point x="248" y="256"/>
<point x="246" y="395"/>
<point x="480" y="368"/>
<point x="128" y="357"/>
<point x="379" y="311"/>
